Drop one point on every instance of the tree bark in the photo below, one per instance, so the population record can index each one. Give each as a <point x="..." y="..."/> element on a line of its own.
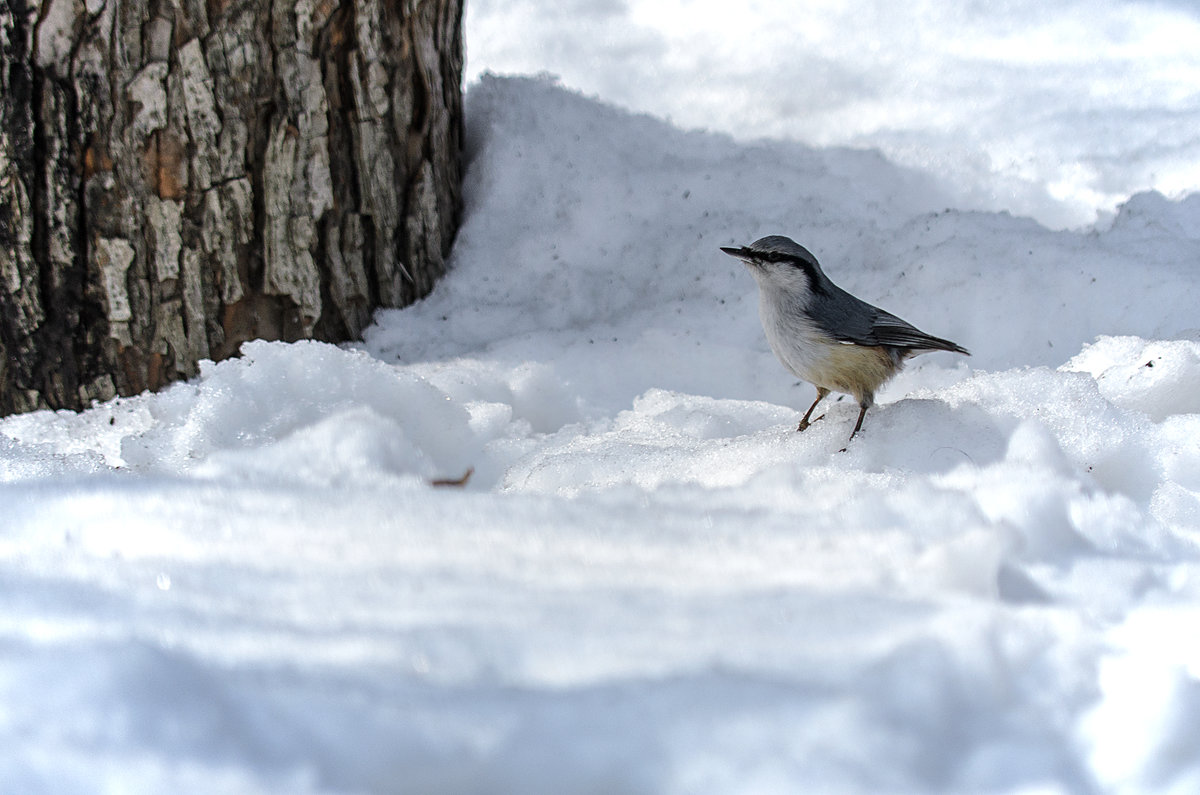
<point x="179" y="176"/>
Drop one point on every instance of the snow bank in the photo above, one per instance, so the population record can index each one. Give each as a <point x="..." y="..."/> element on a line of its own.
<point x="651" y="582"/>
<point x="1059" y="111"/>
<point x="574" y="230"/>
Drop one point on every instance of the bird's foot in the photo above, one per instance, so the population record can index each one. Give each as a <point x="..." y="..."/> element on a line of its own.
<point x="804" y="423"/>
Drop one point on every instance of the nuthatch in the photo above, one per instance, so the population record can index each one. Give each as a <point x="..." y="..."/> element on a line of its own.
<point x="823" y="334"/>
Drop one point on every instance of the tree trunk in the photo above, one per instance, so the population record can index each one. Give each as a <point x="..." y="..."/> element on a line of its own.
<point x="179" y="176"/>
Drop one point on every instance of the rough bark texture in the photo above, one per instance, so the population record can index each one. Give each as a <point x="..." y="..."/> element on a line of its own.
<point x="179" y="176"/>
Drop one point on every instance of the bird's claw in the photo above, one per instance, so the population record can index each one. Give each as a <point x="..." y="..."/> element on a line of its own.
<point x="804" y="423"/>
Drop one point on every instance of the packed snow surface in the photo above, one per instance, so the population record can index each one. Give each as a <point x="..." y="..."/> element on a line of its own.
<point x="650" y="582"/>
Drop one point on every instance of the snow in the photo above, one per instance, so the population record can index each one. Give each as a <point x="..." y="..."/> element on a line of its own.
<point x="993" y="96"/>
<point x="650" y="582"/>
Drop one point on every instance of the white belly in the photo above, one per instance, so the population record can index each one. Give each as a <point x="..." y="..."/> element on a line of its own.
<point x="813" y="356"/>
<point x="797" y="343"/>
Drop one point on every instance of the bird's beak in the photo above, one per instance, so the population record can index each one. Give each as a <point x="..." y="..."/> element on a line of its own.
<point x="740" y="253"/>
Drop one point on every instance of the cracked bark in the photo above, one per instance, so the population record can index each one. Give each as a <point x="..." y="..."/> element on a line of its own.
<point x="180" y="176"/>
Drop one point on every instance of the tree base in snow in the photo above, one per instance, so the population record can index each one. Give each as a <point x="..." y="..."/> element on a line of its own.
<point x="178" y="177"/>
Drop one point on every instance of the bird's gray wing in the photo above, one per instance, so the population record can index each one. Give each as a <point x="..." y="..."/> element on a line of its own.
<point x="894" y="332"/>
<point x="856" y="322"/>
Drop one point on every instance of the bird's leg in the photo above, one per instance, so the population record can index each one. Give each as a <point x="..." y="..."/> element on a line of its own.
<point x="804" y="423"/>
<point x="862" y="412"/>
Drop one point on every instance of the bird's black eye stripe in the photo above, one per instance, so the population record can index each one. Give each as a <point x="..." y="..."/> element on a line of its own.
<point x="779" y="256"/>
<point x="776" y="256"/>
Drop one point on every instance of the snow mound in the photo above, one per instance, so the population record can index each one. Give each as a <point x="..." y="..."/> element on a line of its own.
<point x="1159" y="378"/>
<point x="310" y="409"/>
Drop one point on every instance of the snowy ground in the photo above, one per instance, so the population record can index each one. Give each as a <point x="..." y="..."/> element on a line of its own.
<point x="651" y="583"/>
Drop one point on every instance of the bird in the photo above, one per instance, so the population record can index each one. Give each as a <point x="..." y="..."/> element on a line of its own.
<point x="823" y="334"/>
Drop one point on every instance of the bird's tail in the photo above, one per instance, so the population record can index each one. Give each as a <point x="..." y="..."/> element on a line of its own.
<point x="931" y="343"/>
<point x="891" y="330"/>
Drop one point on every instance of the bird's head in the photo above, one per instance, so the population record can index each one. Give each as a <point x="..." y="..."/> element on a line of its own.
<point x="779" y="262"/>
